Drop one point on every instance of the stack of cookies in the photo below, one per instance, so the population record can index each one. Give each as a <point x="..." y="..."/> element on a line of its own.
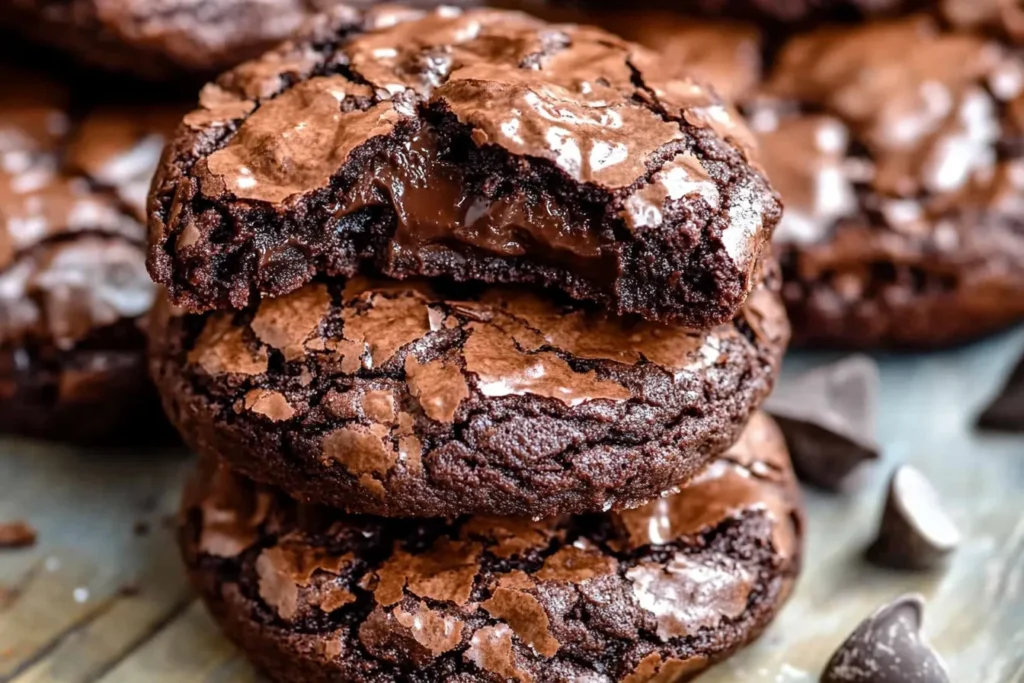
<point x="469" y="317"/>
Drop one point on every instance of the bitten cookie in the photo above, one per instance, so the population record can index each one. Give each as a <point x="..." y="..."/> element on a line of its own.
<point x="395" y="400"/>
<point x="897" y="149"/>
<point x="479" y="145"/>
<point x="649" y="595"/>
<point x="73" y="282"/>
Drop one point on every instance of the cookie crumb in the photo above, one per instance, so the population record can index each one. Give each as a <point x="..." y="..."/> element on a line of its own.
<point x="16" y="534"/>
<point x="129" y="589"/>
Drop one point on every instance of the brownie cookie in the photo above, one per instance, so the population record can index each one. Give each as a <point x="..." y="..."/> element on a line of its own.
<point x="73" y="282"/>
<point x="479" y="145"/>
<point x="897" y="149"/>
<point x="785" y="14"/>
<point x="653" y="594"/>
<point x="395" y="400"/>
<point x="164" y="40"/>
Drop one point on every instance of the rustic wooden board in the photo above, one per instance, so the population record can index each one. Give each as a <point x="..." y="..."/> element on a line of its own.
<point x="94" y="600"/>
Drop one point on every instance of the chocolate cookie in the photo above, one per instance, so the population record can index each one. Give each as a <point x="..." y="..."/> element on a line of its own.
<point x="897" y="149"/>
<point x="653" y="594"/>
<point x="73" y="282"/>
<point x="480" y="145"/>
<point x="178" y="40"/>
<point x="395" y="400"/>
<point x="784" y="13"/>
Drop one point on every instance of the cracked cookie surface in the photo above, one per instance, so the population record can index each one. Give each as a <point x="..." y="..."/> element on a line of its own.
<point x="73" y="282"/>
<point x="478" y="145"/>
<point x="654" y="594"/>
<point x="398" y="400"/>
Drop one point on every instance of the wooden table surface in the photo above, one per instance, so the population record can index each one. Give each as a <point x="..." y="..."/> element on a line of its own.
<point x="101" y="596"/>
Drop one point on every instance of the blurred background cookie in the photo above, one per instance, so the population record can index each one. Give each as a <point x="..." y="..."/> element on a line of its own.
<point x="73" y="284"/>
<point x="169" y="40"/>
<point x="897" y="149"/>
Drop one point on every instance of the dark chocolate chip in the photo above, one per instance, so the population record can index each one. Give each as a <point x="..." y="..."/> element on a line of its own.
<point x="888" y="647"/>
<point x="1006" y="411"/>
<point x="915" y="532"/>
<point x="828" y="418"/>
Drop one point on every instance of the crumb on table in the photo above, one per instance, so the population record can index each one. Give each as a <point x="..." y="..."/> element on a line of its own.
<point x="16" y="534"/>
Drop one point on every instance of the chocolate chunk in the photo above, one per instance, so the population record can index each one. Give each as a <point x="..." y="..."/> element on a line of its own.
<point x="915" y="532"/>
<point x="1006" y="411"/>
<point x="16" y="534"/>
<point x="828" y="417"/>
<point x="888" y="647"/>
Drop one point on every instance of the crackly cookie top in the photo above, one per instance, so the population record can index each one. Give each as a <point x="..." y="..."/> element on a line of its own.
<point x="448" y="355"/>
<point x="510" y="598"/>
<point x="72" y="194"/>
<point x="568" y="94"/>
<point x="899" y="125"/>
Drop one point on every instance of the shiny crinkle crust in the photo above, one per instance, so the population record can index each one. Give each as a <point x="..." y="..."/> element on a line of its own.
<point x="652" y="594"/>
<point x="477" y="145"/>
<point x="73" y="282"/>
<point x="395" y="399"/>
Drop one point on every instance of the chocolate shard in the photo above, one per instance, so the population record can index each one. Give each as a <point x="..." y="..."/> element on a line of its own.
<point x="915" y="532"/>
<point x="1006" y="411"/>
<point x="828" y="417"/>
<point x="888" y="647"/>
